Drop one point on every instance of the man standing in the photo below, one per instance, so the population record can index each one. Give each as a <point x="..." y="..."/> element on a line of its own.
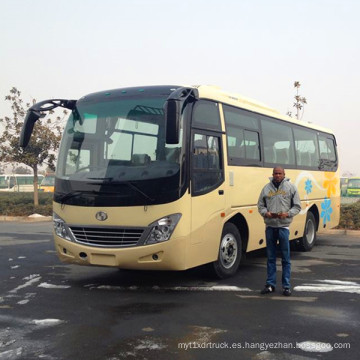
<point x="278" y="203"/>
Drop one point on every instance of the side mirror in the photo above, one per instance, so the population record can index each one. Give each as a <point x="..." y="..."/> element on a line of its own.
<point x="35" y="112"/>
<point x="172" y="111"/>
<point x="26" y="131"/>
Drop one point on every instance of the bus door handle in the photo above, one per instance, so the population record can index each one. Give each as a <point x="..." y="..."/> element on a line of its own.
<point x="221" y="192"/>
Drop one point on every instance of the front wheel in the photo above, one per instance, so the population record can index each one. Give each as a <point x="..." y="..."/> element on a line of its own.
<point x="308" y="240"/>
<point x="230" y="251"/>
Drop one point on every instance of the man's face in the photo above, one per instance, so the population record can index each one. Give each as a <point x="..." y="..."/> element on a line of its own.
<point x="278" y="175"/>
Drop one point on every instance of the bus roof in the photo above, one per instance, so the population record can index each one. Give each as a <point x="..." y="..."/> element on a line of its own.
<point x="215" y="93"/>
<point x="207" y="92"/>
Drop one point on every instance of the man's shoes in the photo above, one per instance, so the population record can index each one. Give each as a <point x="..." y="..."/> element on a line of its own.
<point x="286" y="292"/>
<point x="267" y="289"/>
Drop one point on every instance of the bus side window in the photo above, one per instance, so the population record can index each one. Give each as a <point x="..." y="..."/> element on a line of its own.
<point x="207" y="172"/>
<point x="328" y="160"/>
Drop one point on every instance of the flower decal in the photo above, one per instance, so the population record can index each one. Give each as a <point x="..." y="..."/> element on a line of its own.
<point x="330" y="183"/>
<point x="308" y="186"/>
<point x="326" y="210"/>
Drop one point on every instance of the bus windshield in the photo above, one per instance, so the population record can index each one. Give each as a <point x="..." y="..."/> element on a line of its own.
<point x="109" y="142"/>
<point x="353" y="184"/>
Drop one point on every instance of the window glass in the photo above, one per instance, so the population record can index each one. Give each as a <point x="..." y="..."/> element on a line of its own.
<point x="328" y="160"/>
<point x="76" y="160"/>
<point x="327" y="148"/>
<point x="251" y="142"/>
<point x="120" y="146"/>
<point x="88" y="126"/>
<point x="131" y="140"/>
<point x="307" y="154"/>
<point x="206" y="152"/>
<point x="278" y="143"/>
<point x="243" y="143"/>
<point x="236" y="141"/>
<point x="331" y="148"/>
<point x="241" y="118"/>
<point x="206" y="115"/>
<point x="207" y="167"/>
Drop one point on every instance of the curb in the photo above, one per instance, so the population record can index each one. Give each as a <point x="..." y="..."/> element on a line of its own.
<point x="341" y="232"/>
<point x="4" y="218"/>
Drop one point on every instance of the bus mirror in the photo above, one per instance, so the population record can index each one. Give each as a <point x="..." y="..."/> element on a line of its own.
<point x="30" y="119"/>
<point x="172" y="111"/>
<point x="36" y="112"/>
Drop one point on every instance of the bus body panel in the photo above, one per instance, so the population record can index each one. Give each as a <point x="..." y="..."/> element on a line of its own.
<point x="171" y="254"/>
<point x="206" y="226"/>
<point x="316" y="189"/>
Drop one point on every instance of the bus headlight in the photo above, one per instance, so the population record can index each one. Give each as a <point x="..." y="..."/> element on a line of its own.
<point x="162" y="229"/>
<point x="60" y="228"/>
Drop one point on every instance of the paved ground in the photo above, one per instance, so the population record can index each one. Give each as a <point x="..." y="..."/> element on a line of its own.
<point x="49" y="310"/>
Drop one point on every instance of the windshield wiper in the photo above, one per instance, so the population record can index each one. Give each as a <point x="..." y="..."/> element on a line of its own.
<point x="109" y="181"/>
<point x="132" y="186"/>
<point x="72" y="194"/>
<point x="69" y="196"/>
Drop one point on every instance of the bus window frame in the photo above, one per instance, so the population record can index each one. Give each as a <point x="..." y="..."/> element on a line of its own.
<point x="220" y="170"/>
<point x="292" y="126"/>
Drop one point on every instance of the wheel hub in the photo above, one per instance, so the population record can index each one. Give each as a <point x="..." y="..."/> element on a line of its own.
<point x="228" y="253"/>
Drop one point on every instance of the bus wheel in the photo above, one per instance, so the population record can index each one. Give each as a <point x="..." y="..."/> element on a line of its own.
<point x="229" y="252"/>
<point x="308" y="240"/>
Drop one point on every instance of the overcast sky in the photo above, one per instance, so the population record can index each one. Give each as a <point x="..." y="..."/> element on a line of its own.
<point x="258" y="48"/>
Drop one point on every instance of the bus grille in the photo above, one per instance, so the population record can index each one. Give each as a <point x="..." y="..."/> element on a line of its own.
<point x="107" y="237"/>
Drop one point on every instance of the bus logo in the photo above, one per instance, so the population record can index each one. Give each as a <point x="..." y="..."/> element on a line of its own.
<point x="101" y="216"/>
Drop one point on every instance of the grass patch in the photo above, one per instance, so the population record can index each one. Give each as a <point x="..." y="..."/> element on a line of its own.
<point x="22" y="204"/>
<point x="350" y="216"/>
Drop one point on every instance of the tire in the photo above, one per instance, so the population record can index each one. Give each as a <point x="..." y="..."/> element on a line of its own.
<point x="230" y="251"/>
<point x="308" y="240"/>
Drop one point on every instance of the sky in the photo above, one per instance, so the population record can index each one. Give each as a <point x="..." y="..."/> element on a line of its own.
<point x="257" y="48"/>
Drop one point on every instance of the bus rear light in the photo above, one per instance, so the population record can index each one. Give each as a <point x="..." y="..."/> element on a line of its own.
<point x="162" y="229"/>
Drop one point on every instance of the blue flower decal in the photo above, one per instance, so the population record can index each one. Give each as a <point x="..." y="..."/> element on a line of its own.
<point x="326" y="210"/>
<point x="308" y="186"/>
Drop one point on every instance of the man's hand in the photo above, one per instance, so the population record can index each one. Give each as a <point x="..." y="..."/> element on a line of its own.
<point x="276" y="216"/>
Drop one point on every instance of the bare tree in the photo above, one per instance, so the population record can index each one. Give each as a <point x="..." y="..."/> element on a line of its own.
<point x="299" y="103"/>
<point x="42" y="146"/>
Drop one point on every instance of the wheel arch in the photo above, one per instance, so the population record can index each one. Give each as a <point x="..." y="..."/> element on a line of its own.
<point x="315" y="211"/>
<point x="240" y="222"/>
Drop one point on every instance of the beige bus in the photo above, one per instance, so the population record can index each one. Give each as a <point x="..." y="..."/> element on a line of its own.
<point x="168" y="177"/>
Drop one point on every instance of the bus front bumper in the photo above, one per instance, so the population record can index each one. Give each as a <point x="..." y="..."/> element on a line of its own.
<point x="167" y="255"/>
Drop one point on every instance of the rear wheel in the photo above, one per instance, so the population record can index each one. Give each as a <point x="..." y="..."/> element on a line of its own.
<point x="308" y="240"/>
<point x="230" y="251"/>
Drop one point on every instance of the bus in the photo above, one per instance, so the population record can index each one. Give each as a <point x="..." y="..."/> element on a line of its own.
<point x="353" y="186"/>
<point x="18" y="182"/>
<point x="48" y="183"/>
<point x="168" y="177"/>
